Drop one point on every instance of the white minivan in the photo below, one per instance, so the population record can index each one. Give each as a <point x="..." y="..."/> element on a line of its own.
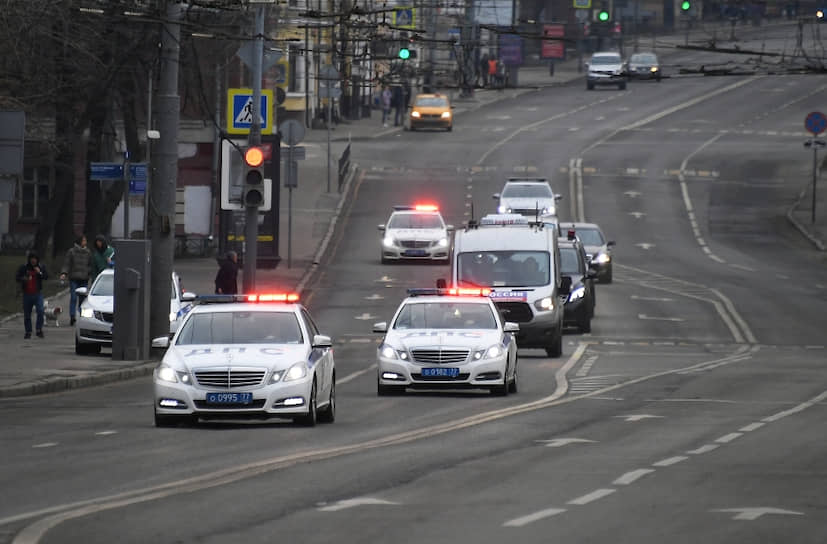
<point x="519" y="261"/>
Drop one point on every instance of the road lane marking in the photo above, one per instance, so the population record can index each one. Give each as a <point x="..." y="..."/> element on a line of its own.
<point x="654" y="318"/>
<point x="352" y="503"/>
<point x="531" y="518"/>
<point x="637" y="417"/>
<point x="45" y="445"/>
<point x="751" y="427"/>
<point x="105" y="433"/>
<point x="682" y="173"/>
<point x="753" y="513"/>
<point x="632" y="476"/>
<point x="668" y="462"/>
<point x="800" y="408"/>
<point x="595" y="495"/>
<point x="354" y="375"/>
<point x="728" y="438"/>
<point x="704" y="449"/>
<point x="653" y="299"/>
<point x="560" y="442"/>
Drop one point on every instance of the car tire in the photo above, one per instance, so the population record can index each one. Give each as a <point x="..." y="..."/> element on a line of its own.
<point x="608" y="277"/>
<point x="328" y="413"/>
<point x="555" y="350"/>
<point x="501" y="390"/>
<point x="512" y="387"/>
<point x="589" y="86"/>
<point x="388" y="390"/>
<point x="585" y="323"/>
<point x="622" y="86"/>
<point x="310" y="418"/>
<point x="449" y="128"/>
<point x="80" y="349"/>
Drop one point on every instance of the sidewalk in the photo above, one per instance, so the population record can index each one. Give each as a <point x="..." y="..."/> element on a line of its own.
<point x="800" y="214"/>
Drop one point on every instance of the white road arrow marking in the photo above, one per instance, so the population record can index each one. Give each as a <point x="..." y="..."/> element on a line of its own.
<point x="637" y="215"/>
<point x="385" y="279"/>
<point x="645" y="245"/>
<point x="650" y="318"/>
<point x="374" y="297"/>
<point x="351" y="503"/>
<point x="632" y="194"/>
<point x="365" y="316"/>
<point x="637" y="417"/>
<point x="753" y="513"/>
<point x="560" y="442"/>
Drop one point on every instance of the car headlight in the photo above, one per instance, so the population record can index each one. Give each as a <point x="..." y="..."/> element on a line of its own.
<point x="490" y="353"/>
<point x="388" y="241"/>
<point x="295" y="372"/>
<point x="443" y="242"/>
<point x="388" y="352"/>
<point x="88" y="313"/>
<point x="544" y="304"/>
<point x="415" y="114"/>
<point x="549" y="210"/>
<point x="602" y="258"/>
<point x="503" y="209"/>
<point x="276" y="376"/>
<point x="577" y="294"/>
<point x="167" y="374"/>
<point x="654" y="68"/>
<point x="446" y="114"/>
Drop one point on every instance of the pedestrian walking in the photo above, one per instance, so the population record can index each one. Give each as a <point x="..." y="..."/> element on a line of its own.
<point x="484" y="70"/>
<point x="398" y="101"/>
<point x="501" y="75"/>
<point x="492" y="71"/>
<point x="102" y="256"/>
<point x="77" y="266"/>
<point x="30" y="276"/>
<point x="386" y="105"/>
<point x="226" y="280"/>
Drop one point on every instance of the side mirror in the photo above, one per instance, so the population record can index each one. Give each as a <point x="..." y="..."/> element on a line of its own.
<point x="320" y="341"/>
<point x="380" y="227"/>
<point x="610" y="243"/>
<point x="565" y="285"/>
<point x="496" y="196"/>
<point x="441" y="283"/>
<point x="558" y="197"/>
<point x="380" y="327"/>
<point x="511" y="327"/>
<point x="586" y="64"/>
<point x="82" y="291"/>
<point x="160" y="342"/>
<point x="449" y="227"/>
<point x="188" y="297"/>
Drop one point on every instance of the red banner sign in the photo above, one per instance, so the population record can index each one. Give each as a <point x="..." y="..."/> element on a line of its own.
<point x="553" y="48"/>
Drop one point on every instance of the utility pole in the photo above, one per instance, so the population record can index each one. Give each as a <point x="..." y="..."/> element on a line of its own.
<point x="251" y="220"/>
<point x="161" y="200"/>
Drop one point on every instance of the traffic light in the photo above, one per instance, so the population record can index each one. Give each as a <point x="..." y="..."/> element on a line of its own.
<point x="404" y="53"/>
<point x="603" y="15"/>
<point x="253" y="195"/>
<point x="686" y="5"/>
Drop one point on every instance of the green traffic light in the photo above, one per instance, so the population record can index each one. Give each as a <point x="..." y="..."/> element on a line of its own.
<point x="603" y="16"/>
<point x="685" y="5"/>
<point x="404" y="53"/>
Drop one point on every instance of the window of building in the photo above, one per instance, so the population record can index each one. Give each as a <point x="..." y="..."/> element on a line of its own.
<point x="34" y="192"/>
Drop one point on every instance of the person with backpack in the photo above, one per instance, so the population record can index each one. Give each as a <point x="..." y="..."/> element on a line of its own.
<point x="77" y="266"/>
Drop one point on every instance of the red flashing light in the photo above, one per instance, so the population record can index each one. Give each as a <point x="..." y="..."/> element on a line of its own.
<point x="426" y="208"/>
<point x="460" y="291"/>
<point x="254" y="157"/>
<point x="274" y="297"/>
<point x="571" y="234"/>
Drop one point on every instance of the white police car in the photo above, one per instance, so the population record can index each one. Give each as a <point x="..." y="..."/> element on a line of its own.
<point x="416" y="233"/>
<point x="447" y="338"/>
<point x="93" y="328"/>
<point x="246" y="356"/>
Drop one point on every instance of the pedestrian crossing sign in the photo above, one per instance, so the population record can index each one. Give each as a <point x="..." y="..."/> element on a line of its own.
<point x="404" y="18"/>
<point x="240" y="109"/>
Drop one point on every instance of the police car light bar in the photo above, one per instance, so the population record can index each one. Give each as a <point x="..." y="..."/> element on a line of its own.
<point x="226" y="299"/>
<point x="426" y="208"/>
<point x="273" y="297"/>
<point x="453" y="291"/>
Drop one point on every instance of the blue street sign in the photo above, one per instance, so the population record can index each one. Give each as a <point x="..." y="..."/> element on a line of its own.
<point x="240" y="111"/>
<point x="816" y="122"/>
<point x="137" y="178"/>
<point x="511" y="49"/>
<point x="105" y="171"/>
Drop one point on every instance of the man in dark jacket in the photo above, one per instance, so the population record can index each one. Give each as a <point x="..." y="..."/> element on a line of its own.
<point x="76" y="266"/>
<point x="102" y="256"/>
<point x="30" y="276"/>
<point x="226" y="281"/>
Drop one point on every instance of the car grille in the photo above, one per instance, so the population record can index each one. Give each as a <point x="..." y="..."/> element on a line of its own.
<point x="97" y="335"/>
<point x="415" y="244"/>
<point x="439" y="356"/>
<point x="228" y="378"/>
<point x="104" y="316"/>
<point x="431" y="115"/>
<point x="460" y="378"/>
<point x="255" y="405"/>
<point x="528" y="211"/>
<point x="516" y="312"/>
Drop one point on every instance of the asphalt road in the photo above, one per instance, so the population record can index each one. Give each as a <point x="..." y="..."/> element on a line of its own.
<point x="693" y="411"/>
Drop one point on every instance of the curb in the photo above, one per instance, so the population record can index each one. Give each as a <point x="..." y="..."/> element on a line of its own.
<point x="800" y="227"/>
<point x="75" y="382"/>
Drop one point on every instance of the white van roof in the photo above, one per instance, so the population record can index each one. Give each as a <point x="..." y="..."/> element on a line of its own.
<point x="505" y="238"/>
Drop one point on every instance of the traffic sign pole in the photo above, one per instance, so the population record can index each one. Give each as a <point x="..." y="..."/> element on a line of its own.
<point x="816" y="123"/>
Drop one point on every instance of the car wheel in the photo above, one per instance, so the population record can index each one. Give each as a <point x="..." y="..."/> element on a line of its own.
<point x="512" y="387"/>
<point x="556" y="348"/>
<point x="585" y="323"/>
<point x="328" y="413"/>
<point x="80" y="349"/>
<point x="622" y="86"/>
<point x="608" y="277"/>
<point x="388" y="390"/>
<point x="309" y="419"/>
<point x="589" y="86"/>
<point x="501" y="390"/>
<point x="449" y="128"/>
<point x="94" y="349"/>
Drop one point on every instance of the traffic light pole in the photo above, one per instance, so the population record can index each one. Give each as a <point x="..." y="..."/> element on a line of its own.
<point x="251" y="219"/>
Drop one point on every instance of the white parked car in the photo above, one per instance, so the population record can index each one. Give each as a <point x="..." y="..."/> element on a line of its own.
<point x="415" y="233"/>
<point x="246" y="356"/>
<point x="93" y="328"/>
<point x="447" y="338"/>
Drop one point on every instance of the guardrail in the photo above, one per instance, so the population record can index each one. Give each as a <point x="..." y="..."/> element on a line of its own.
<point x="344" y="166"/>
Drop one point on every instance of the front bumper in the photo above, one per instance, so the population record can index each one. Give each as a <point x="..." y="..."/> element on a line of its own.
<point x="430" y="122"/>
<point x="89" y="330"/>
<point x="605" y="79"/>
<point x="484" y="373"/>
<point x="575" y="311"/>
<point x="268" y="400"/>
<point x="398" y="252"/>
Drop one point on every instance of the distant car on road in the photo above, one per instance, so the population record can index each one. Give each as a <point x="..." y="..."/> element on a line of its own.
<point x="93" y="329"/>
<point x="431" y="111"/>
<point x="598" y="248"/>
<point x="527" y="196"/>
<point x="579" y="304"/>
<point x="606" y="68"/>
<point x="415" y="233"/>
<point x="643" y="66"/>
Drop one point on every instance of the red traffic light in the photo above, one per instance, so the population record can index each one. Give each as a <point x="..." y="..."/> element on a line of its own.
<point x="254" y="157"/>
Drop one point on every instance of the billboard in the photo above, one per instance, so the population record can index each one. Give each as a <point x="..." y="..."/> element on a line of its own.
<point x="494" y="12"/>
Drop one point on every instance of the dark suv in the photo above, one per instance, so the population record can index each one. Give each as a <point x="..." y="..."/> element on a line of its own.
<point x="578" y="305"/>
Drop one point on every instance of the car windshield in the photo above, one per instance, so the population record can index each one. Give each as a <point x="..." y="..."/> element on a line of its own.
<point x="644" y="58"/>
<point x="569" y="261"/>
<point x="431" y="102"/>
<point x="590" y="237"/>
<point x="503" y="269"/>
<point x="445" y="315"/>
<point x="527" y="190"/>
<point x="241" y="328"/>
<point x="104" y="286"/>
<point x="606" y="59"/>
<point x="415" y="221"/>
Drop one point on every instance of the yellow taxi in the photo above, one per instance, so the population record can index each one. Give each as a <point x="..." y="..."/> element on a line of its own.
<point x="431" y="111"/>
